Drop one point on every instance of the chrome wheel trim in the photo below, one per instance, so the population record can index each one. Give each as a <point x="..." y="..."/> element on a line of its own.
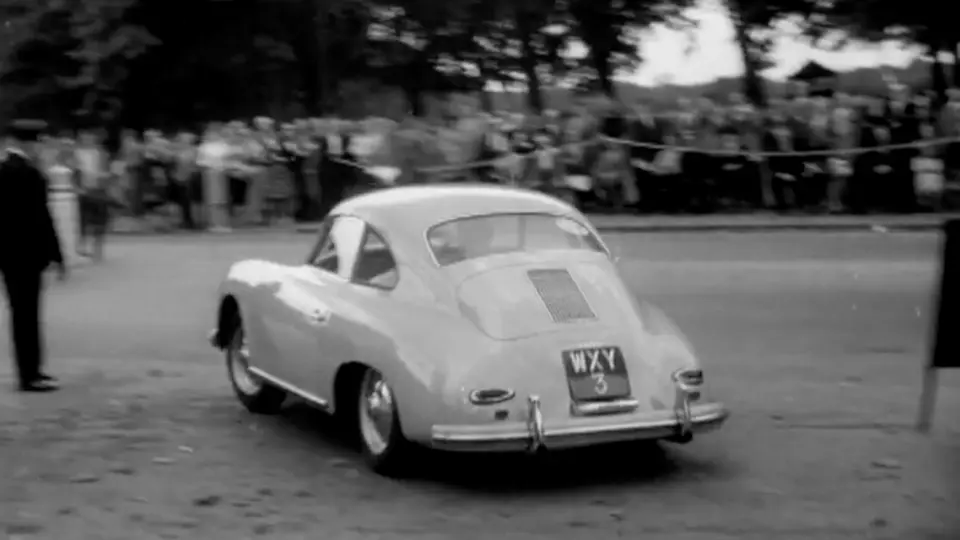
<point x="377" y="408"/>
<point x="239" y="352"/>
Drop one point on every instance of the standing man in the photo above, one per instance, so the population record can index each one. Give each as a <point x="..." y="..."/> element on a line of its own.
<point x="28" y="245"/>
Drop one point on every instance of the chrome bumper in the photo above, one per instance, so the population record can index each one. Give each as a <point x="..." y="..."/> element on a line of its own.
<point x="687" y="418"/>
<point x="536" y="435"/>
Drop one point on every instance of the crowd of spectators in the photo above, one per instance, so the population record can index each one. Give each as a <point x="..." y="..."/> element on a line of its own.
<point x="816" y="154"/>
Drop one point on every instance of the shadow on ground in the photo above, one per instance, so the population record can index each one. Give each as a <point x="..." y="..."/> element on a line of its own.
<point x="620" y="464"/>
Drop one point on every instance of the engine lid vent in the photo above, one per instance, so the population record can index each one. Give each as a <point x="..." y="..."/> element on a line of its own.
<point x="560" y="295"/>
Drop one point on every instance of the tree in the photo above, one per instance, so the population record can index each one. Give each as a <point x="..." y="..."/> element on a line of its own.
<point x="510" y="42"/>
<point x="417" y="45"/>
<point x="610" y="31"/>
<point x="106" y="44"/>
<point x="926" y="23"/>
<point x="69" y="60"/>
<point x="754" y="22"/>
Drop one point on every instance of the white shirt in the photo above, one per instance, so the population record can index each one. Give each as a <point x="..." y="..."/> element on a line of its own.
<point x="213" y="154"/>
<point x="88" y="160"/>
<point x="928" y="174"/>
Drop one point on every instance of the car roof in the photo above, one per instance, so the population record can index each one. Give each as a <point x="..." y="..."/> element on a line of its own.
<point x="417" y="208"/>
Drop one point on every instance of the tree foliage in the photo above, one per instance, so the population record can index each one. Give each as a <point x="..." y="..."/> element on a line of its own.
<point x="925" y="23"/>
<point x="755" y="23"/>
<point x="69" y="58"/>
<point x="167" y="63"/>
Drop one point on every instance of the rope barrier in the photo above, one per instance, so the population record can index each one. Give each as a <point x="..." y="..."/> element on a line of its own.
<point x="491" y="162"/>
<point x="807" y="153"/>
<point x="353" y="164"/>
<point x="846" y="152"/>
<point x="842" y="152"/>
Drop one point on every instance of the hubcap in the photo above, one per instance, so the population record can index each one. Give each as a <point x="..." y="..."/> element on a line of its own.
<point x="376" y="412"/>
<point x="240" y="366"/>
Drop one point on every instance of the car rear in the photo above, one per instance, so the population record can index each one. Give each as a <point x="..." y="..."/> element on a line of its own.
<point x="569" y="345"/>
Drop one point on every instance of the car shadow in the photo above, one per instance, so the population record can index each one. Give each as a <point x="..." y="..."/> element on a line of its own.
<point x="643" y="463"/>
<point x="321" y="428"/>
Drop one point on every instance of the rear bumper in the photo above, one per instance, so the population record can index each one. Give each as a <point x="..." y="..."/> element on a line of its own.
<point x="499" y="438"/>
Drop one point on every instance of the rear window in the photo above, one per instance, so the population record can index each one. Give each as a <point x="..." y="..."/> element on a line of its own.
<point x="481" y="236"/>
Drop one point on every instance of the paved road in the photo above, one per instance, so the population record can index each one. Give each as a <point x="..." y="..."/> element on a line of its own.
<point x="814" y="340"/>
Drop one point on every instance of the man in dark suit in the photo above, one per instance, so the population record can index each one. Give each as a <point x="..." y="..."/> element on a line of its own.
<point x="904" y="127"/>
<point x="28" y="246"/>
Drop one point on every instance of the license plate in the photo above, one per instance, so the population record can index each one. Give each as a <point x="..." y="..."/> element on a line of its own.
<point x="596" y="373"/>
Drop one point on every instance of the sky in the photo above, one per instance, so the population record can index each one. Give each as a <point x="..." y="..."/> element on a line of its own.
<point x="668" y="57"/>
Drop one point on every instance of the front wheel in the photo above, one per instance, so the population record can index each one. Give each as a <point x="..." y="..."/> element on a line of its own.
<point x="381" y="439"/>
<point x="254" y="393"/>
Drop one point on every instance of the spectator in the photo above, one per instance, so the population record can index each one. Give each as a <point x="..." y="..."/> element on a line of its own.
<point x="844" y="136"/>
<point x="647" y="132"/>
<point x="737" y="179"/>
<point x="928" y="172"/>
<point x="91" y="174"/>
<point x="904" y="128"/>
<point x="818" y="138"/>
<point x="873" y="170"/>
<point x="663" y="189"/>
<point x="714" y="170"/>
<point x="131" y="155"/>
<point x="184" y="175"/>
<point x="786" y="170"/>
<point x="212" y="159"/>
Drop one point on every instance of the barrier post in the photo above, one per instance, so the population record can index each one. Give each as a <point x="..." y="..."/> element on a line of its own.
<point x="945" y="341"/>
<point x="64" y="208"/>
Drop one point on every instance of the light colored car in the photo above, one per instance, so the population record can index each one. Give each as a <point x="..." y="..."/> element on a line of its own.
<point x="470" y="318"/>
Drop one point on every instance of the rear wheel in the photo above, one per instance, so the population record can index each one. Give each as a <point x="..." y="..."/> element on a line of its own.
<point x="254" y="393"/>
<point x="381" y="439"/>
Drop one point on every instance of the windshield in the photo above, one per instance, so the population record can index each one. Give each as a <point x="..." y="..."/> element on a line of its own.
<point x="480" y="236"/>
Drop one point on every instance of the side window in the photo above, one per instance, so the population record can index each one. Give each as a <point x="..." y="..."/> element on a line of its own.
<point x="376" y="266"/>
<point x="338" y="248"/>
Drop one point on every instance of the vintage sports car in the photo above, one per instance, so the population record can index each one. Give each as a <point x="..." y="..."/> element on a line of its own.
<point x="460" y="317"/>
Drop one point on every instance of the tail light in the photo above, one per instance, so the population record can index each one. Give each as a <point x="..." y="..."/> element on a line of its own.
<point x="491" y="396"/>
<point x="689" y="382"/>
<point x="689" y="378"/>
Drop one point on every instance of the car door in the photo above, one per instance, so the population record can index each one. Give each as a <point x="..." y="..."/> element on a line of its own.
<point x="310" y="298"/>
<point x="349" y="336"/>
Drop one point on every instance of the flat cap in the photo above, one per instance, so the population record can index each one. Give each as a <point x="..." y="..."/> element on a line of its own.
<point x="26" y="129"/>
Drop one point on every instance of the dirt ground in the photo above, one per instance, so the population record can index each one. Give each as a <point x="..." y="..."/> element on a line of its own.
<point x="814" y="340"/>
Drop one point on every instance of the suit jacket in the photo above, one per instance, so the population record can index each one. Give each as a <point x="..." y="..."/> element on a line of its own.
<point x="614" y="125"/>
<point x="28" y="238"/>
<point x="800" y="133"/>
<point x="904" y="128"/>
